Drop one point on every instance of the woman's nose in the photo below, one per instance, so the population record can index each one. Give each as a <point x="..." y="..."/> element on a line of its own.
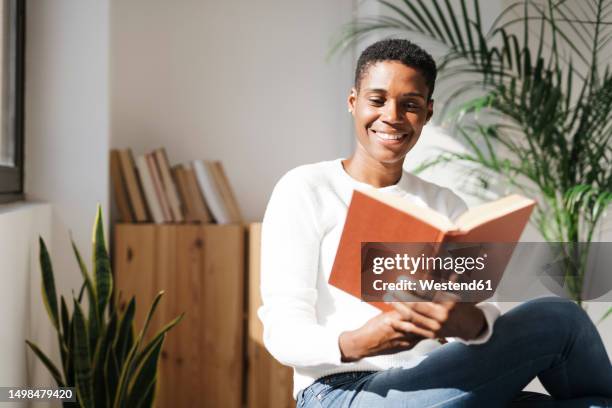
<point x="391" y="112"/>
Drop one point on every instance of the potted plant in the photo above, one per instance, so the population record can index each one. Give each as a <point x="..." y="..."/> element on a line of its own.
<point x="540" y="73"/>
<point x="104" y="360"/>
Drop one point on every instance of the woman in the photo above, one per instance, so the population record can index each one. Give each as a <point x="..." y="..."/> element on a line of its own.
<point x="344" y="351"/>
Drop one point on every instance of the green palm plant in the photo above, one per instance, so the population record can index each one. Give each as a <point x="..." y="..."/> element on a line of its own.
<point x="535" y="107"/>
<point x="101" y="357"/>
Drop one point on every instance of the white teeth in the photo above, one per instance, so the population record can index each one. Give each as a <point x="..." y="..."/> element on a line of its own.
<point x="388" y="136"/>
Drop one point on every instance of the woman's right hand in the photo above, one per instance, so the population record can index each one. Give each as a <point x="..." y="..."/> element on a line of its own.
<point x="386" y="333"/>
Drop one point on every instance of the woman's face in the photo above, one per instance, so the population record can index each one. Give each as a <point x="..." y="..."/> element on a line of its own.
<point x="389" y="110"/>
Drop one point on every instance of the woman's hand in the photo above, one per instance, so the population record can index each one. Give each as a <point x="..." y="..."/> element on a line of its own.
<point x="444" y="319"/>
<point x="386" y="333"/>
<point x="411" y="322"/>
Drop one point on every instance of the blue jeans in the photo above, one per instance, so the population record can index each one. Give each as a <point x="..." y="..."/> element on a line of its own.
<point x="548" y="338"/>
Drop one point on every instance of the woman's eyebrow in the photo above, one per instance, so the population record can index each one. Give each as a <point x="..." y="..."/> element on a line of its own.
<point x="417" y="94"/>
<point x="376" y="90"/>
<point x="384" y="91"/>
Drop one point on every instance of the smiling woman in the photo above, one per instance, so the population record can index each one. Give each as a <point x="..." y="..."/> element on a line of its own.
<point x="390" y="108"/>
<point x="11" y="99"/>
<point x="345" y="352"/>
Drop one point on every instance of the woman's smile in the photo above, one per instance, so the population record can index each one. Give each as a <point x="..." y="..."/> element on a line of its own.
<point x="388" y="138"/>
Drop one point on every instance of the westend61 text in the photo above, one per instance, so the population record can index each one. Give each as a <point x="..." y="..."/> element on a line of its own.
<point x="430" y="284"/>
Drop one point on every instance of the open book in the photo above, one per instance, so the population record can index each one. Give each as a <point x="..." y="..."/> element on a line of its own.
<point x="375" y="217"/>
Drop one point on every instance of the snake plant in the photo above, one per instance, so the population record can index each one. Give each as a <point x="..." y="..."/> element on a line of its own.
<point x="530" y="98"/>
<point x="109" y="366"/>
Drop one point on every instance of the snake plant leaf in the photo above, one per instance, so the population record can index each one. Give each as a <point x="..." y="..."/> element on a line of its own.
<point x="91" y="290"/>
<point x="70" y="355"/>
<point x="149" y="397"/>
<point x="123" y="341"/>
<point x="81" y="293"/>
<point x="111" y="374"/>
<point x="82" y="359"/>
<point x="150" y="314"/>
<point x="55" y="373"/>
<point x="93" y="317"/>
<point x="106" y="340"/>
<point x="65" y="319"/>
<point x="135" y="358"/>
<point x="103" y="348"/>
<point x="48" y="284"/>
<point x="145" y="375"/>
<point x="64" y="334"/>
<point x="147" y="348"/>
<point x="102" y="269"/>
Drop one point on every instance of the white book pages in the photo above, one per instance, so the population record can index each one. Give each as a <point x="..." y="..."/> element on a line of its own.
<point x="213" y="197"/>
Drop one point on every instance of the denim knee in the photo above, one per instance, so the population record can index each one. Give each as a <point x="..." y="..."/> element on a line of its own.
<point x="556" y="310"/>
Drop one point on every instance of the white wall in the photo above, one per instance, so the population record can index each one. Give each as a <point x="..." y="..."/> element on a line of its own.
<point x="67" y="129"/>
<point x="20" y="227"/>
<point x="66" y="150"/>
<point x="240" y="81"/>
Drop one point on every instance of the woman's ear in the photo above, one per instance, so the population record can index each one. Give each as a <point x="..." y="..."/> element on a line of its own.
<point x="352" y="98"/>
<point x="429" y="110"/>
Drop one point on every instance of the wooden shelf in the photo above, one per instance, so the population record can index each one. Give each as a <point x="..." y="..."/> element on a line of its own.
<point x="269" y="383"/>
<point x="201" y="268"/>
<point x="215" y="357"/>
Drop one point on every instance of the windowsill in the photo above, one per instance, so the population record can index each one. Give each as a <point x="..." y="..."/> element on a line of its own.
<point x="18" y="206"/>
<point x="10" y="198"/>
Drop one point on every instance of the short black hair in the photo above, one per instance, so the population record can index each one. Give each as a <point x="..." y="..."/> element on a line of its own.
<point x="404" y="51"/>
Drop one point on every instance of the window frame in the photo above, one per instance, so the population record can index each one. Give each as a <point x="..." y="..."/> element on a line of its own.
<point x="11" y="178"/>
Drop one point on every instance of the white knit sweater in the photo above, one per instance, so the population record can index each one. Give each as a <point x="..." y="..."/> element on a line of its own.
<point x="302" y="314"/>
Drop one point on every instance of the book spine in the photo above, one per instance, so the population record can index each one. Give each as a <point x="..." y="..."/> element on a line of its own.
<point x="201" y="210"/>
<point x="159" y="190"/>
<point x="149" y="189"/>
<point x="168" y="184"/>
<point x="134" y="187"/>
<point x="119" y="188"/>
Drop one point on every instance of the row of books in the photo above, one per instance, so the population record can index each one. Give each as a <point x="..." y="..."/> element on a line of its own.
<point x="148" y="189"/>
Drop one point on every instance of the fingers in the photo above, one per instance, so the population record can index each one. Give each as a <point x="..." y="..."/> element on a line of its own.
<point x="436" y="311"/>
<point x="411" y="315"/>
<point x="408" y="328"/>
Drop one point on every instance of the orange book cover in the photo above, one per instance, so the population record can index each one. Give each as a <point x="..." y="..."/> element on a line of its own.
<point x="374" y="217"/>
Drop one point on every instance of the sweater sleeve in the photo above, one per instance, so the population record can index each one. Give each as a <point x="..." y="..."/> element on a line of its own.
<point x="290" y="246"/>
<point x="491" y="313"/>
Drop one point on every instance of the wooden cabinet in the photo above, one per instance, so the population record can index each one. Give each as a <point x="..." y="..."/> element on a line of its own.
<point x="214" y="357"/>
<point x="201" y="269"/>
<point x="269" y="383"/>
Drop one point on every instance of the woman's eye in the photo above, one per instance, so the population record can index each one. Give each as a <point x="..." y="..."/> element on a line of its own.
<point x="377" y="101"/>
<point x="411" y="106"/>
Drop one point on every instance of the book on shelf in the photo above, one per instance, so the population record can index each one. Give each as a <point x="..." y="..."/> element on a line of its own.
<point x="119" y="188"/>
<point x="187" y="204"/>
<point x="193" y="203"/>
<point x="201" y="209"/>
<point x="149" y="190"/>
<point x="215" y="168"/>
<point x="160" y="192"/>
<point x="168" y="186"/>
<point x="376" y="217"/>
<point x="211" y="193"/>
<point x="133" y="186"/>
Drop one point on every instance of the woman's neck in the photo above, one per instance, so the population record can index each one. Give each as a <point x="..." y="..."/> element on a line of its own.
<point x="372" y="172"/>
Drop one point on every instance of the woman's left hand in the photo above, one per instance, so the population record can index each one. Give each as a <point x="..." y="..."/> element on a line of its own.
<point x="445" y="318"/>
